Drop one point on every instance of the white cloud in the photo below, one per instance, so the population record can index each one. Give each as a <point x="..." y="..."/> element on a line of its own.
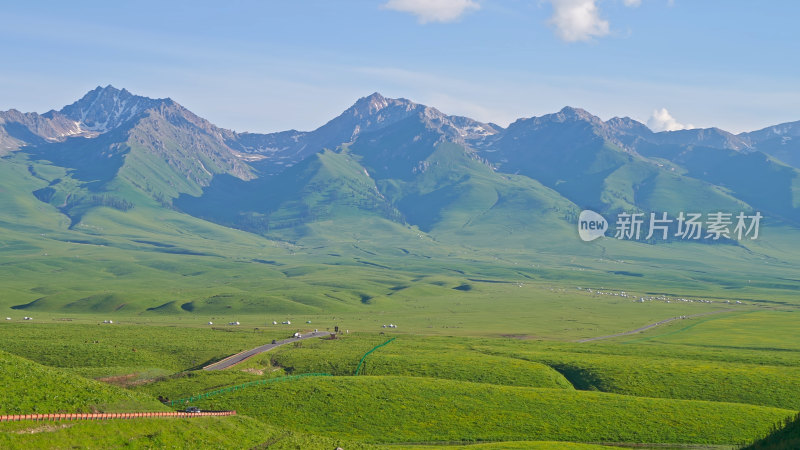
<point x="577" y="20"/>
<point x="662" y="120"/>
<point x="632" y="3"/>
<point x="433" y="10"/>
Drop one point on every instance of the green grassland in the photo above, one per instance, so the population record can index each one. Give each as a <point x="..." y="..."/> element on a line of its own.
<point x="485" y="346"/>
<point x="199" y="432"/>
<point x="153" y="261"/>
<point x="449" y="389"/>
<point x="535" y="445"/>
<point x="674" y="377"/>
<point x="413" y="356"/>
<point x="30" y="388"/>
<point x="785" y="436"/>
<point x="646" y="370"/>
<point x="736" y="332"/>
<point x="384" y="387"/>
<point x="409" y="409"/>
<point x="105" y="350"/>
<point x="183" y="385"/>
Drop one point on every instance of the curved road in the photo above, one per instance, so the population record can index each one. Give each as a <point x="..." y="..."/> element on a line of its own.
<point x="239" y="357"/>
<point x="647" y="327"/>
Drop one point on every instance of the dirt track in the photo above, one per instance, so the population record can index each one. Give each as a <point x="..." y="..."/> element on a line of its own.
<point x="647" y="327"/>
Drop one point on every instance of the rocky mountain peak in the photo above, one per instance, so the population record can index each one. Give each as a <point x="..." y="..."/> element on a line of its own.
<point x="371" y="103"/>
<point x="570" y="114"/>
<point x="566" y="115"/>
<point x="375" y="104"/>
<point x="105" y="108"/>
<point x="626" y="125"/>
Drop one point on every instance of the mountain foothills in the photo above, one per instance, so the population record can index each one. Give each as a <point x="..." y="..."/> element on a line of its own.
<point x="388" y="186"/>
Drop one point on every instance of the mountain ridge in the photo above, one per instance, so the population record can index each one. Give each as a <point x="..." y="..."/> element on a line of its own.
<point x="145" y="186"/>
<point x="105" y="108"/>
<point x="111" y="138"/>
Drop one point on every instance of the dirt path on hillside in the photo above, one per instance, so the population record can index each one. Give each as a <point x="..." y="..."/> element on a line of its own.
<point x="652" y="325"/>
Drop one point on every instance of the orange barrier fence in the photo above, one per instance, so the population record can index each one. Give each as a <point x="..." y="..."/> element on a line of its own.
<point x="107" y="416"/>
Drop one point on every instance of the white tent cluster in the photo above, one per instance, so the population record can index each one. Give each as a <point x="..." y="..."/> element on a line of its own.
<point x="650" y="298"/>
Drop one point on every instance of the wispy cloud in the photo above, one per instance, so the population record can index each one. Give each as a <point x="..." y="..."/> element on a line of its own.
<point x="632" y="3"/>
<point x="433" y="10"/>
<point x="662" y="120"/>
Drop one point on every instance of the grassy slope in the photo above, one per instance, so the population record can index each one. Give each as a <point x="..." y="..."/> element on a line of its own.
<point x="408" y="409"/>
<point x="748" y="357"/>
<point x="446" y="358"/>
<point x="205" y="432"/>
<point x="698" y="372"/>
<point x="31" y="388"/>
<point x="200" y="432"/>
<point x="186" y="384"/>
<point x="510" y="445"/>
<point x="103" y="350"/>
<point x="460" y="200"/>
<point x="694" y="368"/>
<point x="785" y="437"/>
<point x="676" y="377"/>
<point x="410" y="356"/>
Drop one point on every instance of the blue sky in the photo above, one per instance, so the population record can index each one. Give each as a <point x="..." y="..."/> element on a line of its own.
<point x="274" y="65"/>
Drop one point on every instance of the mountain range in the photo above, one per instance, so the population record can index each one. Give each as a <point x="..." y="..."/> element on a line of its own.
<point x="398" y="160"/>
<point x="117" y="188"/>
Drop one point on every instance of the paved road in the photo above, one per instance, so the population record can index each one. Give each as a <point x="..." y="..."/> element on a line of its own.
<point x="647" y="327"/>
<point x="239" y="357"/>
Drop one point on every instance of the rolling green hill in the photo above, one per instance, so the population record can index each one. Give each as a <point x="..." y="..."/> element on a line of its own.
<point x="400" y="409"/>
<point x="29" y="388"/>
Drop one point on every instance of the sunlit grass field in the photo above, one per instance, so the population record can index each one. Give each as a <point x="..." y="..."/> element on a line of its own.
<point x="438" y="388"/>
<point x="30" y="388"/>
<point x="485" y="347"/>
<point x="413" y="409"/>
<point x="200" y="432"/>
